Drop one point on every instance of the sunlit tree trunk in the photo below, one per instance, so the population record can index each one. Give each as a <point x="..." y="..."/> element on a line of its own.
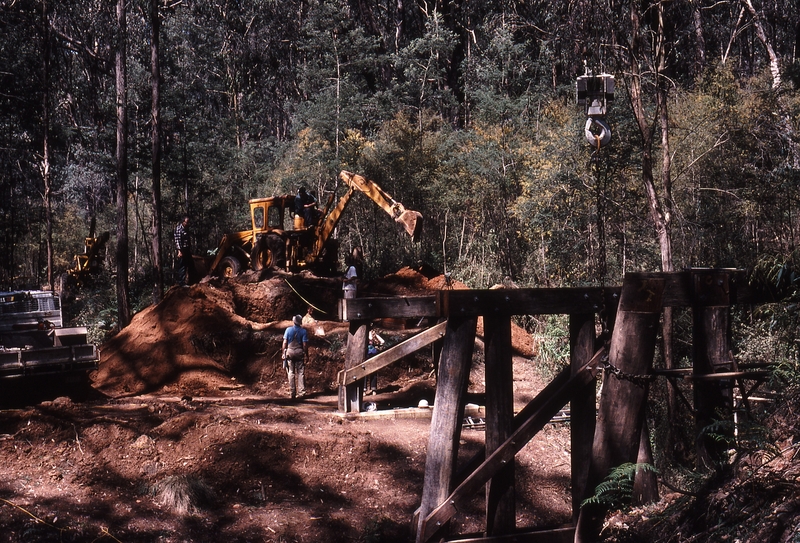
<point x="660" y="206"/>
<point x="699" y="39"/>
<point x="774" y="61"/>
<point x="668" y="326"/>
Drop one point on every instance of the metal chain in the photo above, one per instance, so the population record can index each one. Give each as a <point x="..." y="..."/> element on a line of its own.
<point x="600" y="190"/>
<point x="638" y="380"/>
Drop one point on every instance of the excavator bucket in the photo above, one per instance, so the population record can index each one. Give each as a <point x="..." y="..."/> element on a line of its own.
<point x="412" y="223"/>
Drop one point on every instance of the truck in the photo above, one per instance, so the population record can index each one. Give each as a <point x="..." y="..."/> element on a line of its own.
<point x="34" y="344"/>
<point x="276" y="242"/>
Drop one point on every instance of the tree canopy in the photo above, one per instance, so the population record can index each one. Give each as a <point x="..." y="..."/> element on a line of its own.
<point x="463" y="111"/>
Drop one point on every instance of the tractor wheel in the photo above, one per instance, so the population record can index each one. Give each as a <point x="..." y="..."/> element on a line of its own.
<point x="277" y="247"/>
<point x="270" y="252"/>
<point x="229" y="267"/>
<point x="261" y="257"/>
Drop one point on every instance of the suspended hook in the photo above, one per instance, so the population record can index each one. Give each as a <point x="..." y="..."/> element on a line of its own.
<point x="597" y="140"/>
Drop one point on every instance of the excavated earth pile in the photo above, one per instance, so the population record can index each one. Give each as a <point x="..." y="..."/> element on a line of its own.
<point x="193" y="437"/>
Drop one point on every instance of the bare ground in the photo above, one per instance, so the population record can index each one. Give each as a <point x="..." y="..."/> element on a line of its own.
<point x="189" y="435"/>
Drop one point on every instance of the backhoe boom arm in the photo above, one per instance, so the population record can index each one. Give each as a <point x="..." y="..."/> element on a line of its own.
<point x="410" y="220"/>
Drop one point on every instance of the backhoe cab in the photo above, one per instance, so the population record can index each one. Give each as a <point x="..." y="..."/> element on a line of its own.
<point x="280" y="239"/>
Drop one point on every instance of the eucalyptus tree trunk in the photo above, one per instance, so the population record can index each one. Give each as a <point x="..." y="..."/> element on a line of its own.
<point x="662" y="94"/>
<point x="46" y="173"/>
<point x="699" y="38"/>
<point x="123" y="303"/>
<point x="774" y="61"/>
<point x="660" y="206"/>
<point x="155" y="74"/>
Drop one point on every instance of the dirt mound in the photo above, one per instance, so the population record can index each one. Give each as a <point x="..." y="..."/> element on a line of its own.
<point x="204" y="334"/>
<point x="410" y="281"/>
<point x="199" y="339"/>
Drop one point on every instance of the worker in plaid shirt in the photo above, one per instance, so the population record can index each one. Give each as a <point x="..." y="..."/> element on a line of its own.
<point x="183" y="262"/>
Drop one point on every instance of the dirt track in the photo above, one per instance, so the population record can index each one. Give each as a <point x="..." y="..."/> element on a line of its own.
<point x="195" y="439"/>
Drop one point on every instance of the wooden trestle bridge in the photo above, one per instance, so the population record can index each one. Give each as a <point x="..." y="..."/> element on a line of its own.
<point x="603" y="436"/>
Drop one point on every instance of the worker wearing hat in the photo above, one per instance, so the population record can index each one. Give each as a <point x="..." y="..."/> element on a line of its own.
<point x="295" y="355"/>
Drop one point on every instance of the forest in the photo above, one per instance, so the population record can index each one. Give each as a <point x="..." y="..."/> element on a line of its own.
<point x="124" y="116"/>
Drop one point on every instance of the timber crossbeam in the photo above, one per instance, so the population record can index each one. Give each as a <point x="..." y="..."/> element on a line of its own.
<point x="690" y="288"/>
<point x="392" y="355"/>
<point x="554" y="535"/>
<point x="489" y="302"/>
<point x="553" y="398"/>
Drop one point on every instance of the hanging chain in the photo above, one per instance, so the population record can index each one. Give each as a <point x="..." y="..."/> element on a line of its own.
<point x="600" y="183"/>
<point x="601" y="186"/>
<point x="639" y="380"/>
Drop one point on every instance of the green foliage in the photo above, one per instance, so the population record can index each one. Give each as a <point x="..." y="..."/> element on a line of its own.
<point x="616" y="490"/>
<point x="466" y="115"/>
<point x="92" y="305"/>
<point x="743" y="437"/>
<point x="551" y="342"/>
<point x="770" y="332"/>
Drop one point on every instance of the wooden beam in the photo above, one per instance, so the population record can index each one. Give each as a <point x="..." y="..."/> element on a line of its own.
<point x="678" y="292"/>
<point x="553" y="399"/>
<point x="351" y="395"/>
<point x="472" y="303"/>
<point x="621" y="413"/>
<point x="389" y="356"/>
<point x="527" y="301"/>
<point x="583" y="407"/>
<point x="555" y="535"/>
<point x="711" y="344"/>
<point x="754" y="375"/>
<point x="500" y="492"/>
<point x="448" y="414"/>
<point x="399" y="307"/>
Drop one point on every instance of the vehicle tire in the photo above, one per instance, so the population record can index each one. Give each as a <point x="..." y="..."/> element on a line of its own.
<point x="269" y="253"/>
<point x="229" y="267"/>
<point x="277" y="246"/>
<point x="261" y="257"/>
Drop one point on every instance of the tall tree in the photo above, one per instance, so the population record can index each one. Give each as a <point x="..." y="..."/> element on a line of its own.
<point x="46" y="170"/>
<point x="659" y="204"/>
<point x="123" y="302"/>
<point x="155" y="75"/>
<point x="774" y="61"/>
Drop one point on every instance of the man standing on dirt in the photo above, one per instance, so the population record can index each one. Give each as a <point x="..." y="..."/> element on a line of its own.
<point x="183" y="262"/>
<point x="295" y="355"/>
<point x="354" y="263"/>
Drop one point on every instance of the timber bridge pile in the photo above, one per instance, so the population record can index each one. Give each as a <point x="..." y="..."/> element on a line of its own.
<point x="602" y="437"/>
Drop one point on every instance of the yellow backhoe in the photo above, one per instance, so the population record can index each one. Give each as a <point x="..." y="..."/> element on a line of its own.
<point x="276" y="241"/>
<point x="91" y="261"/>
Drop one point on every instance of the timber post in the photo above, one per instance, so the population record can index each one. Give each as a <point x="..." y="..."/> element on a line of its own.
<point x="446" y="421"/>
<point x="621" y="412"/>
<point x="711" y="344"/>
<point x="500" y="490"/>
<point x="351" y="395"/>
<point x="583" y="407"/>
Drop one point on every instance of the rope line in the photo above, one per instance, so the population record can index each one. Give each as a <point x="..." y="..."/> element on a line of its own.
<point x="302" y="298"/>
